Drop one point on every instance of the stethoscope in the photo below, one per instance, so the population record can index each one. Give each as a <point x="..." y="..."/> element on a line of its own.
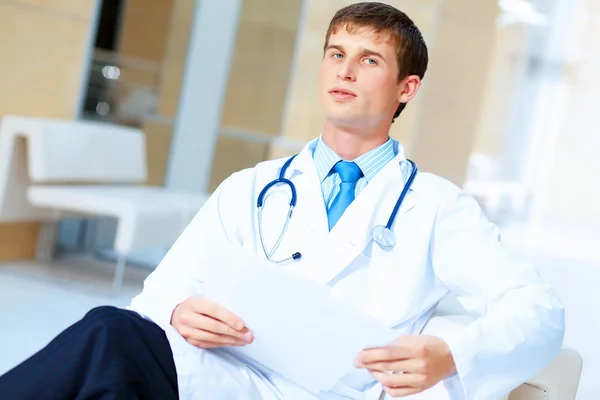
<point x="382" y="235"/>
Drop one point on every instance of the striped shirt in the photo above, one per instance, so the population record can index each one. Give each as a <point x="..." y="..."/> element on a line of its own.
<point x="370" y="164"/>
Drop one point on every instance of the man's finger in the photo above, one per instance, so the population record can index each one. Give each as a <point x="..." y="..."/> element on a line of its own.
<point x="400" y="380"/>
<point x="206" y="323"/>
<point x="382" y="354"/>
<point x="211" y="345"/>
<point x="220" y="313"/>
<point x="221" y="340"/>
<point x="412" y="366"/>
<point x="401" y="392"/>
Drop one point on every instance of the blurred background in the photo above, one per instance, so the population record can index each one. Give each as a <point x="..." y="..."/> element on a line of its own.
<point x="508" y="111"/>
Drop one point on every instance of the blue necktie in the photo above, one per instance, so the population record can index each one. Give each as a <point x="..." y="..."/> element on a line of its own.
<point x="350" y="173"/>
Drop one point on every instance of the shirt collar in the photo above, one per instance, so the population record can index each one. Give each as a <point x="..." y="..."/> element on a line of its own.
<point x="370" y="163"/>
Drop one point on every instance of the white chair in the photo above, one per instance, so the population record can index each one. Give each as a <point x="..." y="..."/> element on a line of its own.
<point x="559" y="381"/>
<point x="55" y="169"/>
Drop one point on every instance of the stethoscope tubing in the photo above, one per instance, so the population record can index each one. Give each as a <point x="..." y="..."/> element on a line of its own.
<point x="411" y="178"/>
<point x="281" y="180"/>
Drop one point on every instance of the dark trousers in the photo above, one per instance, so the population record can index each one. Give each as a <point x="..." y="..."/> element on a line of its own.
<point x="109" y="354"/>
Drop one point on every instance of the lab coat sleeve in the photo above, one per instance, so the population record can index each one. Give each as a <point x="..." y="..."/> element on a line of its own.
<point x="520" y="324"/>
<point x="180" y="274"/>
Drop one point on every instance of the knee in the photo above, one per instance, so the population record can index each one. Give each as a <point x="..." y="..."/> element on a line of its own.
<point x="104" y="312"/>
<point x="108" y="318"/>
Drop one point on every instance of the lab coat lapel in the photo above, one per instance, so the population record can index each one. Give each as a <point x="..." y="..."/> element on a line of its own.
<point x="311" y="206"/>
<point x="352" y="233"/>
<point x="314" y="210"/>
<point x="308" y="226"/>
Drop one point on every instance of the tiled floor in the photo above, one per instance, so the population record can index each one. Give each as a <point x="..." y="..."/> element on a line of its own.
<point x="38" y="301"/>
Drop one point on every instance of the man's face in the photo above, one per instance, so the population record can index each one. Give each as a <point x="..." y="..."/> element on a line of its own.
<point x="358" y="83"/>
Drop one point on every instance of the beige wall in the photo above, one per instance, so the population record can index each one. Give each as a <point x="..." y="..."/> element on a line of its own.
<point x="143" y="34"/>
<point x="258" y="82"/>
<point x="508" y="52"/>
<point x="174" y="57"/>
<point x="172" y="67"/>
<point x="233" y="154"/>
<point x="262" y="59"/>
<point x="144" y="28"/>
<point x="447" y="125"/>
<point x="439" y="126"/>
<point x="158" y="144"/>
<point x="157" y="31"/>
<point x="43" y="46"/>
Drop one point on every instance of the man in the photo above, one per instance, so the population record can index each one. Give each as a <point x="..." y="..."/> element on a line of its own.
<point x="171" y="346"/>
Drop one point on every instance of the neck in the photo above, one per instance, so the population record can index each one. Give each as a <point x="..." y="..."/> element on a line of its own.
<point x="350" y="143"/>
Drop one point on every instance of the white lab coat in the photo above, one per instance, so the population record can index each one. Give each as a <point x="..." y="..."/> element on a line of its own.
<point x="444" y="245"/>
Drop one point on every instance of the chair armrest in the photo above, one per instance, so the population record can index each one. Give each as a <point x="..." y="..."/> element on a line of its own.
<point x="558" y="381"/>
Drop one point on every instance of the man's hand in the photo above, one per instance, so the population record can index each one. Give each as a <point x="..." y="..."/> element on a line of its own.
<point x="206" y="324"/>
<point x="417" y="363"/>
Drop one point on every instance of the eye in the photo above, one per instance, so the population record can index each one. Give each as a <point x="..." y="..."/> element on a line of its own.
<point x="337" y="55"/>
<point x="371" y="61"/>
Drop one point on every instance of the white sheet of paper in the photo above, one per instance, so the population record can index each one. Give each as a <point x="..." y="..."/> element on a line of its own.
<point x="300" y="331"/>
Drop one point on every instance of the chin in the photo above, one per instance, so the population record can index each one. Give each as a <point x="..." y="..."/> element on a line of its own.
<point x="358" y="123"/>
<point x="345" y="121"/>
<point x="343" y="111"/>
<point x="339" y="115"/>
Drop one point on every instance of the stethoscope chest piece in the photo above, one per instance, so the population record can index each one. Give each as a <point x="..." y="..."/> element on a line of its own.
<point x="384" y="237"/>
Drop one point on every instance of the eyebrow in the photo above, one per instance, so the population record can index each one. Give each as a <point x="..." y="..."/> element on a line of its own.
<point x="364" y="51"/>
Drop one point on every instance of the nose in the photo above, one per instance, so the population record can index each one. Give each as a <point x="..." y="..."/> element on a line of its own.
<point x="346" y="72"/>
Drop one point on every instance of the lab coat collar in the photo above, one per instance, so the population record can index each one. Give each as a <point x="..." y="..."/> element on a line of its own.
<point x="304" y="161"/>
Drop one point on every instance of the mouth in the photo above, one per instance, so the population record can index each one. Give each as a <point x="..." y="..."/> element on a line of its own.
<point x="342" y="95"/>
<point x="342" y="92"/>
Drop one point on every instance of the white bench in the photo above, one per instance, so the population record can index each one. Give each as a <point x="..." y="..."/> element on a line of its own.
<point x="56" y="169"/>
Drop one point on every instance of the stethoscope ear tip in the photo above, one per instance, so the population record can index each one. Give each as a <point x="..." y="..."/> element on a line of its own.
<point x="296" y="256"/>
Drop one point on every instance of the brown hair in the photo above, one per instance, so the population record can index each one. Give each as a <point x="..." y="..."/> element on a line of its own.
<point x="412" y="55"/>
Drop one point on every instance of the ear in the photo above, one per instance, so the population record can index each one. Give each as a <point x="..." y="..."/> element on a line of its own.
<point x="408" y="88"/>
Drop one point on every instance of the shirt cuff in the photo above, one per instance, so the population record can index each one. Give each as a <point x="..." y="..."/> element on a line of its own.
<point x="463" y="348"/>
<point x="159" y="311"/>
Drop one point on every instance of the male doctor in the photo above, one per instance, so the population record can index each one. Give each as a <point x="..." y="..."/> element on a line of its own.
<point x="169" y="343"/>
